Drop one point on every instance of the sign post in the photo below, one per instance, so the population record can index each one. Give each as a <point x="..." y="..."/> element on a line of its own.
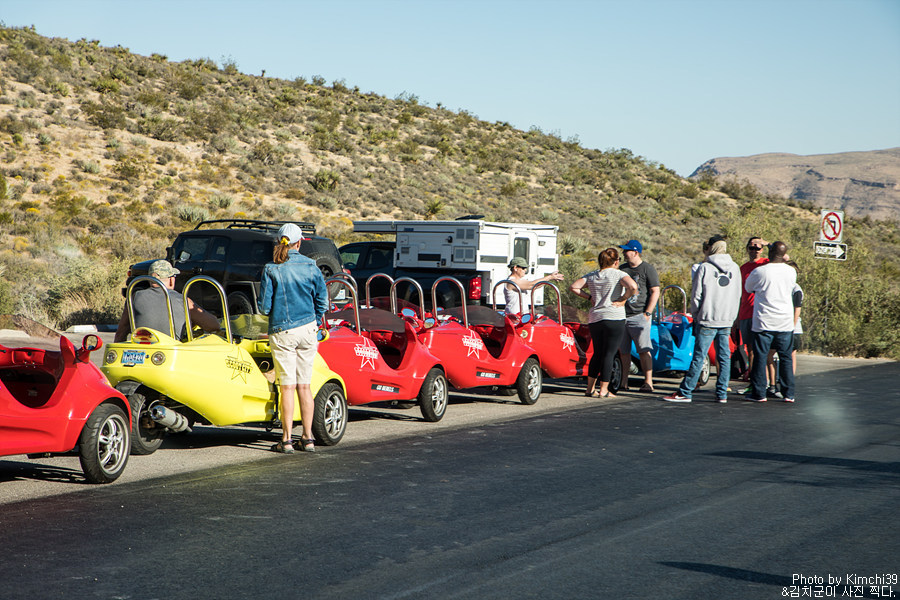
<point x="830" y="246"/>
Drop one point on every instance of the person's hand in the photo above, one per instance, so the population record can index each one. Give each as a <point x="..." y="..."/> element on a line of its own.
<point x="618" y="303"/>
<point x="557" y="276"/>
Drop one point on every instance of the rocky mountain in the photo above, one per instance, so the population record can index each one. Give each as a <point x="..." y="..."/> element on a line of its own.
<point x="861" y="183"/>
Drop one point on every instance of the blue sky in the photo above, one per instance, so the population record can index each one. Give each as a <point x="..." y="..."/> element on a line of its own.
<point x="676" y="81"/>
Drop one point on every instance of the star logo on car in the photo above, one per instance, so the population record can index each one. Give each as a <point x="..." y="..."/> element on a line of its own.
<point x="567" y="339"/>
<point x="474" y="343"/>
<point x="238" y="365"/>
<point x="367" y="352"/>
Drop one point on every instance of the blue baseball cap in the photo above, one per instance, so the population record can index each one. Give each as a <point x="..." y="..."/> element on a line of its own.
<point x="632" y="245"/>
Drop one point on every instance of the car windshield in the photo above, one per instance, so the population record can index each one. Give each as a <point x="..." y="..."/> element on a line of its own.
<point x="372" y="319"/>
<point x="19" y="331"/>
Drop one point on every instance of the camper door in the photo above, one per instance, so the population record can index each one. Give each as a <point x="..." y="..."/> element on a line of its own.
<point x="524" y="244"/>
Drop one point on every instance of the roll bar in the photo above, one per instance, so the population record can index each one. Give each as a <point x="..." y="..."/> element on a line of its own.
<point x="558" y="299"/>
<point x="462" y="295"/>
<point x="353" y="297"/>
<point x="662" y="295"/>
<point x="498" y="284"/>
<point x="153" y="280"/>
<point x="416" y="285"/>
<point x="187" y="314"/>
<point x="369" y="281"/>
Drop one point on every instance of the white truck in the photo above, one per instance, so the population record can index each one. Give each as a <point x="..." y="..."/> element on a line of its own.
<point x="475" y="251"/>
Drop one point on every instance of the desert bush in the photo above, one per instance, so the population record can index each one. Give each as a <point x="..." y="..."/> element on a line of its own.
<point x="191" y="213"/>
<point x="104" y="115"/>
<point x="294" y="194"/>
<point x="325" y="180"/>
<point x="221" y="201"/>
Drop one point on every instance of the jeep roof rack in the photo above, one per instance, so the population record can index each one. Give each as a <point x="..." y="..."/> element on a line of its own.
<point x="308" y="228"/>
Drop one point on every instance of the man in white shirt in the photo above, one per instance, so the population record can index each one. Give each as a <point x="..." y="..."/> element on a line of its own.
<point x="773" y="321"/>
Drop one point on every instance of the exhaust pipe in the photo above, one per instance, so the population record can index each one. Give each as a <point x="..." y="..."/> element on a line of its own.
<point x="175" y="422"/>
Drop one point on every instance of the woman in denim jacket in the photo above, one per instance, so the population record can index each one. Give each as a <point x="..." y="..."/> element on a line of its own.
<point x="292" y="293"/>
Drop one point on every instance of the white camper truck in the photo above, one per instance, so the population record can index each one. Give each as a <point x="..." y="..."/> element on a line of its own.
<point x="471" y="249"/>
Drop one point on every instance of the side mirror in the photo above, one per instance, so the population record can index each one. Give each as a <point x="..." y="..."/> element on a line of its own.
<point x="408" y="312"/>
<point x="91" y="342"/>
<point x="322" y="334"/>
<point x="526" y="318"/>
<point x="429" y="322"/>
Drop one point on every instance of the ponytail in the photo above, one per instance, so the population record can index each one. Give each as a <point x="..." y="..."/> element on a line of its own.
<point x="280" y="254"/>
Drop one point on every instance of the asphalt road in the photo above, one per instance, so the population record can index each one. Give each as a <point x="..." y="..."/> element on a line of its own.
<point x="570" y="498"/>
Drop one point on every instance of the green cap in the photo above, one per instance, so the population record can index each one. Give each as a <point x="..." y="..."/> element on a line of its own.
<point x="162" y="269"/>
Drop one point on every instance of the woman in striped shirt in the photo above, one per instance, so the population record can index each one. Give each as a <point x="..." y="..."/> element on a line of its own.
<point x="608" y="289"/>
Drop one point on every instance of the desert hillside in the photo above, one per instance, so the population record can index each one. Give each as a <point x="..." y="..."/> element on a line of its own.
<point x="106" y="155"/>
<point x="861" y="183"/>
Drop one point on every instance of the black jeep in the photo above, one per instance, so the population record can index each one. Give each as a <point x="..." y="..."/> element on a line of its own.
<point x="233" y="252"/>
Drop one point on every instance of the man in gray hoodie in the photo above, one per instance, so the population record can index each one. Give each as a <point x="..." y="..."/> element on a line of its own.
<point x="715" y="299"/>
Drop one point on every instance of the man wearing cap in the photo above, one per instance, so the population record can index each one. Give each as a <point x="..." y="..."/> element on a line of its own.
<point x="638" y="313"/>
<point x="715" y="297"/>
<point x="150" y="308"/>
<point x="518" y="267"/>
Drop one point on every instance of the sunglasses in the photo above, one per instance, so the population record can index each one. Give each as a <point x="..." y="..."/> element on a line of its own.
<point x="754" y="247"/>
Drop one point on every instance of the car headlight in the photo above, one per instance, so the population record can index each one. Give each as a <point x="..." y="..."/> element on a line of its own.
<point x="110" y="357"/>
<point x="158" y="358"/>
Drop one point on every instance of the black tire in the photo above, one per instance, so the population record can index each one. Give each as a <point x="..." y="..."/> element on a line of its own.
<point x="239" y="304"/>
<point x="104" y="444"/>
<point x="433" y="396"/>
<point x="530" y="382"/>
<point x="329" y="265"/>
<point x="330" y="419"/>
<point x="146" y="435"/>
<point x="615" y="378"/>
<point x="704" y="372"/>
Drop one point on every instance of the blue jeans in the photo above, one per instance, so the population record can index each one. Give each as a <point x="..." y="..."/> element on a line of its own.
<point x="781" y="342"/>
<point x="705" y="337"/>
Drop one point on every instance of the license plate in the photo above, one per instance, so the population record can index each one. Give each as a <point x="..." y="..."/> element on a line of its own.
<point x="132" y="357"/>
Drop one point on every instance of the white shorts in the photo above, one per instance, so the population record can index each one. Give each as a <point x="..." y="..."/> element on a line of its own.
<point x="293" y="352"/>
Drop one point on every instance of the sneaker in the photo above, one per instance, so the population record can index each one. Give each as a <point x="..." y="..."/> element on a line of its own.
<point x="791" y="400"/>
<point x="676" y="397"/>
<point x="772" y="392"/>
<point x="745" y="391"/>
<point x="752" y="399"/>
<point x="721" y="400"/>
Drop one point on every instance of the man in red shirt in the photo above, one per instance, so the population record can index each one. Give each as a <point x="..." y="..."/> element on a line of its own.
<point x="755" y="247"/>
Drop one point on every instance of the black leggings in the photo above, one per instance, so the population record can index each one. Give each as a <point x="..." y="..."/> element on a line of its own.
<point x="606" y="337"/>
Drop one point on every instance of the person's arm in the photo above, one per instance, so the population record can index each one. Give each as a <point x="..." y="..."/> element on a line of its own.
<point x="527" y="284"/>
<point x="320" y="297"/>
<point x="697" y="289"/>
<point x="797" y="298"/>
<point x="652" y="290"/>
<point x="651" y="301"/>
<point x="264" y="300"/>
<point x="577" y="287"/>
<point x="205" y="320"/>
<point x="123" y="328"/>
<point x="631" y="289"/>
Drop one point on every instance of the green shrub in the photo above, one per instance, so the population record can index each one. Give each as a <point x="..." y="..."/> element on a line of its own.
<point x="325" y="180"/>
<point x="104" y="115"/>
<point x="107" y="85"/>
<point x="191" y="213"/>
